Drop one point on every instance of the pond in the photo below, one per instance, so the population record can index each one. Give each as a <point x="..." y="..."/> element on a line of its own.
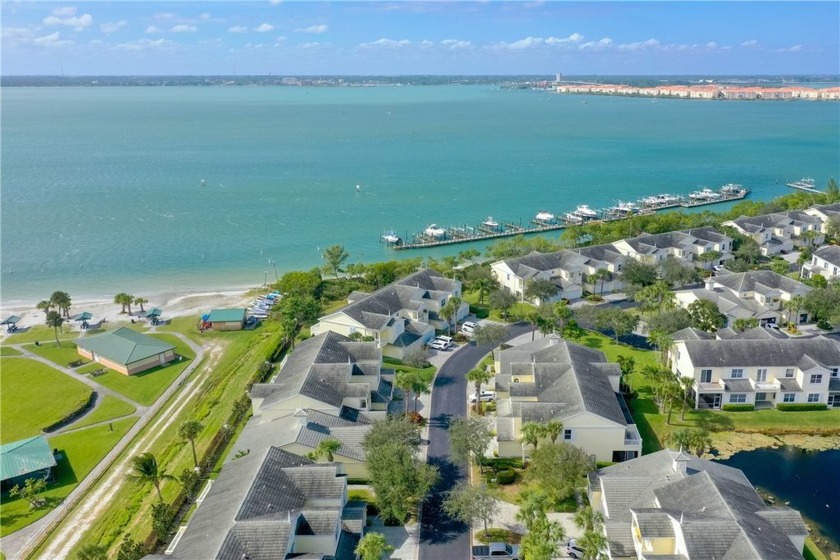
<point x="808" y="480"/>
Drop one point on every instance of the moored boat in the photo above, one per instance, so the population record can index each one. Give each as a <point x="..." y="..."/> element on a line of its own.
<point x="434" y="231"/>
<point x="490" y="223"/>
<point x="391" y="237"/>
<point x="544" y="216"/>
<point x="585" y="212"/>
<point x="573" y="218"/>
<point x="805" y="183"/>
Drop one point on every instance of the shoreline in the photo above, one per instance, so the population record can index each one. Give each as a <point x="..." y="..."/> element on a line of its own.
<point x="727" y="444"/>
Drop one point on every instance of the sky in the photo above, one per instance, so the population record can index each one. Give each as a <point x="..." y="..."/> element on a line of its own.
<point x="262" y="37"/>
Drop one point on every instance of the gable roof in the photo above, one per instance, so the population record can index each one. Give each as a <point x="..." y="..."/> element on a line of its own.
<point x="761" y="281"/>
<point x="829" y="253"/>
<point x="234" y="315"/>
<point x="785" y="352"/>
<point x="534" y="263"/>
<point x="124" y="346"/>
<point x="25" y="456"/>
<point x="690" y="333"/>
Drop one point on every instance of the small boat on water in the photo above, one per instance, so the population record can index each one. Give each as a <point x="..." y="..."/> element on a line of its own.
<point x="391" y="237"/>
<point x="623" y="208"/>
<point x="585" y="212"/>
<point x="731" y="189"/>
<point x="704" y="194"/>
<point x="805" y="184"/>
<point x="490" y="222"/>
<point x="573" y="218"/>
<point x="544" y="216"/>
<point x="434" y="231"/>
<point x="661" y="200"/>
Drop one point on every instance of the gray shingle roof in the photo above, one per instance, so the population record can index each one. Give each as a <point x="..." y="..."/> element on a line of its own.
<point x="830" y="254"/>
<point x="533" y="263"/>
<point x="761" y="281"/>
<point x="690" y="333"/>
<point x="718" y="512"/>
<point x="767" y="353"/>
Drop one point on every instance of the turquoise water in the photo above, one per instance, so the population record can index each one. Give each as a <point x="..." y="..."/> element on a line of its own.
<point x="101" y="187"/>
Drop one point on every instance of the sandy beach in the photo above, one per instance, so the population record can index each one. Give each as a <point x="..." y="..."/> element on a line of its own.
<point x="173" y="304"/>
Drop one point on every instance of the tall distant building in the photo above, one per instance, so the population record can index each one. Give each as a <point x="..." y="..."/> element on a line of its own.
<point x="558" y="78"/>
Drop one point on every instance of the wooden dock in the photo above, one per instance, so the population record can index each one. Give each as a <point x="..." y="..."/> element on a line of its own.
<point x="465" y="234"/>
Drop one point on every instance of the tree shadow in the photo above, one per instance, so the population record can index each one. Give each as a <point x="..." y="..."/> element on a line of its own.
<point x="63" y="472"/>
<point x="640" y="408"/>
<point x="710" y="420"/>
<point x="436" y="526"/>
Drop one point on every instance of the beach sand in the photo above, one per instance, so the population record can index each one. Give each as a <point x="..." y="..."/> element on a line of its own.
<point x="173" y="304"/>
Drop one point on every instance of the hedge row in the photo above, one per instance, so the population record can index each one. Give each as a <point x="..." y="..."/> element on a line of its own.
<point x="795" y="407"/>
<point x="74" y="414"/>
<point x="738" y="407"/>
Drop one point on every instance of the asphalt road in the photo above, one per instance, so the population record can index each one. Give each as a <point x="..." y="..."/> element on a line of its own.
<point x="441" y="537"/>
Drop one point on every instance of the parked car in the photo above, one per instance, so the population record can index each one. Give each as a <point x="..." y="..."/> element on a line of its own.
<point x="438" y="344"/>
<point x="468" y="327"/>
<point x="486" y="396"/>
<point x="447" y="339"/>
<point x="495" y="550"/>
<point x="573" y="550"/>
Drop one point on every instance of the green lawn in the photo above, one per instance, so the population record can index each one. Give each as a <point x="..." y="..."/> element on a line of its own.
<point x="110" y="407"/>
<point x="59" y="355"/>
<point x="81" y="451"/>
<point x="41" y="333"/>
<point x="35" y="396"/>
<point x="9" y="351"/>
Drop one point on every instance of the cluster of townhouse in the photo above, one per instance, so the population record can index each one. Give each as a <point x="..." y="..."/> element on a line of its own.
<point x="706" y="91"/>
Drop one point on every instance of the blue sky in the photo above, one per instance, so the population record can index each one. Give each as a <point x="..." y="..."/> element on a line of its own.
<point x="411" y="37"/>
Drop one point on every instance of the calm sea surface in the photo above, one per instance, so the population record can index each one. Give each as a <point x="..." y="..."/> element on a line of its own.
<point x="101" y="187"/>
<point x="809" y="480"/>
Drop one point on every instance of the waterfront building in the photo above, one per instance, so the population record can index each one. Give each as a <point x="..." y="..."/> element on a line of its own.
<point x="553" y="379"/>
<point x="688" y="245"/>
<point x="824" y="262"/>
<point x="780" y="232"/>
<point x="670" y="504"/>
<point x="227" y="319"/>
<point x="125" y="350"/>
<point x="563" y="268"/>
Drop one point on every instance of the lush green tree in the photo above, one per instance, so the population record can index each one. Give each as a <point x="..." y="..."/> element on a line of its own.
<point x="638" y="274"/>
<point x="600" y="276"/>
<point x="301" y="284"/>
<point x="586" y="518"/>
<point x="780" y="266"/>
<point x="744" y="323"/>
<point x="793" y="306"/>
<point x="559" y="469"/>
<point x="469" y="255"/>
<point x="543" y="539"/>
<point x="480" y="279"/>
<point x="705" y="315"/>
<point x="553" y="429"/>
<point x="302" y="310"/>
<point x="686" y="384"/>
<point x="420" y="385"/>
<point x="816" y="281"/>
<point x="188" y="431"/>
<point x="450" y="311"/>
<point x="55" y="320"/>
<point x="416" y="357"/>
<point x="29" y="491"/>
<point x="541" y="289"/>
<point x="378" y="275"/>
<point x="627" y="365"/>
<point x="90" y="551"/>
<point x="131" y="550"/>
<point x="694" y="441"/>
<point x="471" y="504"/>
<point x="162" y="521"/>
<point x="479" y="376"/>
<point x="675" y="272"/>
<point x="661" y="381"/>
<point x="662" y="342"/>
<point x="748" y="251"/>
<point x="141" y="302"/>
<point x="356" y="270"/>
<point x="45" y="306"/>
<point x="530" y="433"/>
<point x="394" y="428"/>
<point x="326" y="448"/>
<point x="469" y="438"/>
<point x="669" y="321"/>
<point x="708" y="257"/>
<point x="824" y="303"/>
<point x="619" y="321"/>
<point x="594" y="543"/>
<point x="372" y="546"/>
<point x="404" y="381"/>
<point x="334" y="257"/>
<point x="491" y="334"/>
<point x="61" y="301"/>
<point x="502" y="300"/>
<point x="519" y="246"/>
<point x="546" y="320"/>
<point x="533" y="503"/>
<point x="145" y="469"/>
<point x="125" y="300"/>
<point x="562" y="314"/>
<point x="832" y="227"/>
<point x="190" y="481"/>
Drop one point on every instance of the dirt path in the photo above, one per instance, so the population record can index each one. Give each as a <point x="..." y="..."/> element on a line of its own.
<point x="82" y="507"/>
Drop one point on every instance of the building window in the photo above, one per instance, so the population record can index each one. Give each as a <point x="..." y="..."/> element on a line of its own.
<point x="813" y="397"/>
<point x="816" y="378"/>
<point x="835" y="372"/>
<point x="789" y="372"/>
<point x="738" y="398"/>
<point x="737" y="373"/>
<point x="705" y="376"/>
<point x="761" y="374"/>
<point x="789" y="397"/>
<point x="567" y="435"/>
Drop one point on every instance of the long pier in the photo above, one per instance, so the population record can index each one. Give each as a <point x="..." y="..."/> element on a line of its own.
<point x="505" y="228"/>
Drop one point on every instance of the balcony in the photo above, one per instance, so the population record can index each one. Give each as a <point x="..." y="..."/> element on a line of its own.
<point x="769" y="386"/>
<point x="632" y="438"/>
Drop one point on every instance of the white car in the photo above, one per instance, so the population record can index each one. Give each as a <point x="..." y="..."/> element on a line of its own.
<point x="438" y="344"/>
<point x="573" y="550"/>
<point x="468" y="327"/>
<point x="486" y="396"/>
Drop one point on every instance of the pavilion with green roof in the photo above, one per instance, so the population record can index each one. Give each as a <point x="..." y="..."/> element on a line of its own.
<point x="24" y="459"/>
<point x="125" y="350"/>
<point x="227" y="319"/>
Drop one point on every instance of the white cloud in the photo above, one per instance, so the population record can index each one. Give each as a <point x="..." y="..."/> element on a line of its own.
<point x="455" y="44"/>
<point x="750" y="43"/>
<point x="144" y="44"/>
<point x="183" y="28"/>
<point x="573" y="38"/>
<point x="154" y="29"/>
<point x="386" y="43"/>
<point x="237" y="29"/>
<point x="526" y="43"/>
<point x="280" y="38"/>
<point x="275" y="2"/>
<point x="795" y="48"/>
<point x="76" y="22"/>
<point x="112" y="26"/>
<point x="640" y="45"/>
<point x="598" y="45"/>
<point x="711" y="45"/>
<point x="313" y="29"/>
<point x="64" y="12"/>
<point x="312" y="45"/>
<point x="205" y="16"/>
<point x="52" y="40"/>
<point x="264" y="28"/>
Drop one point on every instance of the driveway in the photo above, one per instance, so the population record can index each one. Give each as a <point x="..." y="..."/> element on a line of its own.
<point x="441" y="537"/>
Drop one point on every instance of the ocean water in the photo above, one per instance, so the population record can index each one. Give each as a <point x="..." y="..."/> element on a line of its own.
<point x="101" y="187"/>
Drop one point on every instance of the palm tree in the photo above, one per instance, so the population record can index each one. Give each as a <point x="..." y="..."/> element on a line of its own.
<point x="531" y="432"/>
<point x="553" y="429"/>
<point x="478" y="376"/>
<point x="686" y="383"/>
<point x="450" y="311"/>
<point x="593" y="542"/>
<point x="325" y="449"/>
<point x="189" y="430"/>
<point x="662" y="341"/>
<point x="420" y="386"/>
<point x="601" y="275"/>
<point x="403" y="380"/>
<point x="372" y="546"/>
<point x="55" y="320"/>
<point x="146" y="470"/>
<point x="61" y="300"/>
<point x="562" y="314"/>
<point x="793" y="306"/>
<point x="140" y="301"/>
<point x="44" y="305"/>
<point x="483" y="284"/>
<point x="124" y="299"/>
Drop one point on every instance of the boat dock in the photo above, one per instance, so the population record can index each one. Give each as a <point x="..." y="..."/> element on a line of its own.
<point x="806" y="184"/>
<point x="435" y="236"/>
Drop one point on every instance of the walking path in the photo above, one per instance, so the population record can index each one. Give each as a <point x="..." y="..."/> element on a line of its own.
<point x="23" y="542"/>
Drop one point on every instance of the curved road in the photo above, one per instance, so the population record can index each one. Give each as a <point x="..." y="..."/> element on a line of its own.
<point x="441" y="537"/>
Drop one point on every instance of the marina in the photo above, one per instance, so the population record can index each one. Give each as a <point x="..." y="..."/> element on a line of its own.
<point x="805" y="184"/>
<point x="545" y="220"/>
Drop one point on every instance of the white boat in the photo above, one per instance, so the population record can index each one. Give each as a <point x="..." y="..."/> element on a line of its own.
<point x="806" y="183"/>
<point x="573" y="218"/>
<point x="544" y="216"/>
<point x="704" y="194"/>
<point x="584" y="211"/>
<point x="660" y="199"/>
<point x="730" y="189"/>
<point x="391" y="237"/>
<point x="623" y="208"/>
<point x="491" y="223"/>
<point x="434" y="231"/>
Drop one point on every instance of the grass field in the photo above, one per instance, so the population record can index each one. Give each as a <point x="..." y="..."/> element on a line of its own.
<point x="9" y="351"/>
<point x="43" y="333"/>
<point x="35" y="396"/>
<point x="81" y="452"/>
<point x="145" y="387"/>
<point x="59" y="355"/>
<point x="109" y="408"/>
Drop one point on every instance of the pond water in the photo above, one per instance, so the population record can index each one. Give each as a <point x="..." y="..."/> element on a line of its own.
<point x="808" y="480"/>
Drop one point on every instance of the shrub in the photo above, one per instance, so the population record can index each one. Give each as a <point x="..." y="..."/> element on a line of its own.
<point x="738" y="407"/>
<point x="799" y="407"/>
<point x="501" y="463"/>
<point x="497" y="535"/>
<point x="392" y="361"/>
<point x="506" y="477"/>
<point x="594" y="298"/>
<point x="824" y="325"/>
<point x="416" y="418"/>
